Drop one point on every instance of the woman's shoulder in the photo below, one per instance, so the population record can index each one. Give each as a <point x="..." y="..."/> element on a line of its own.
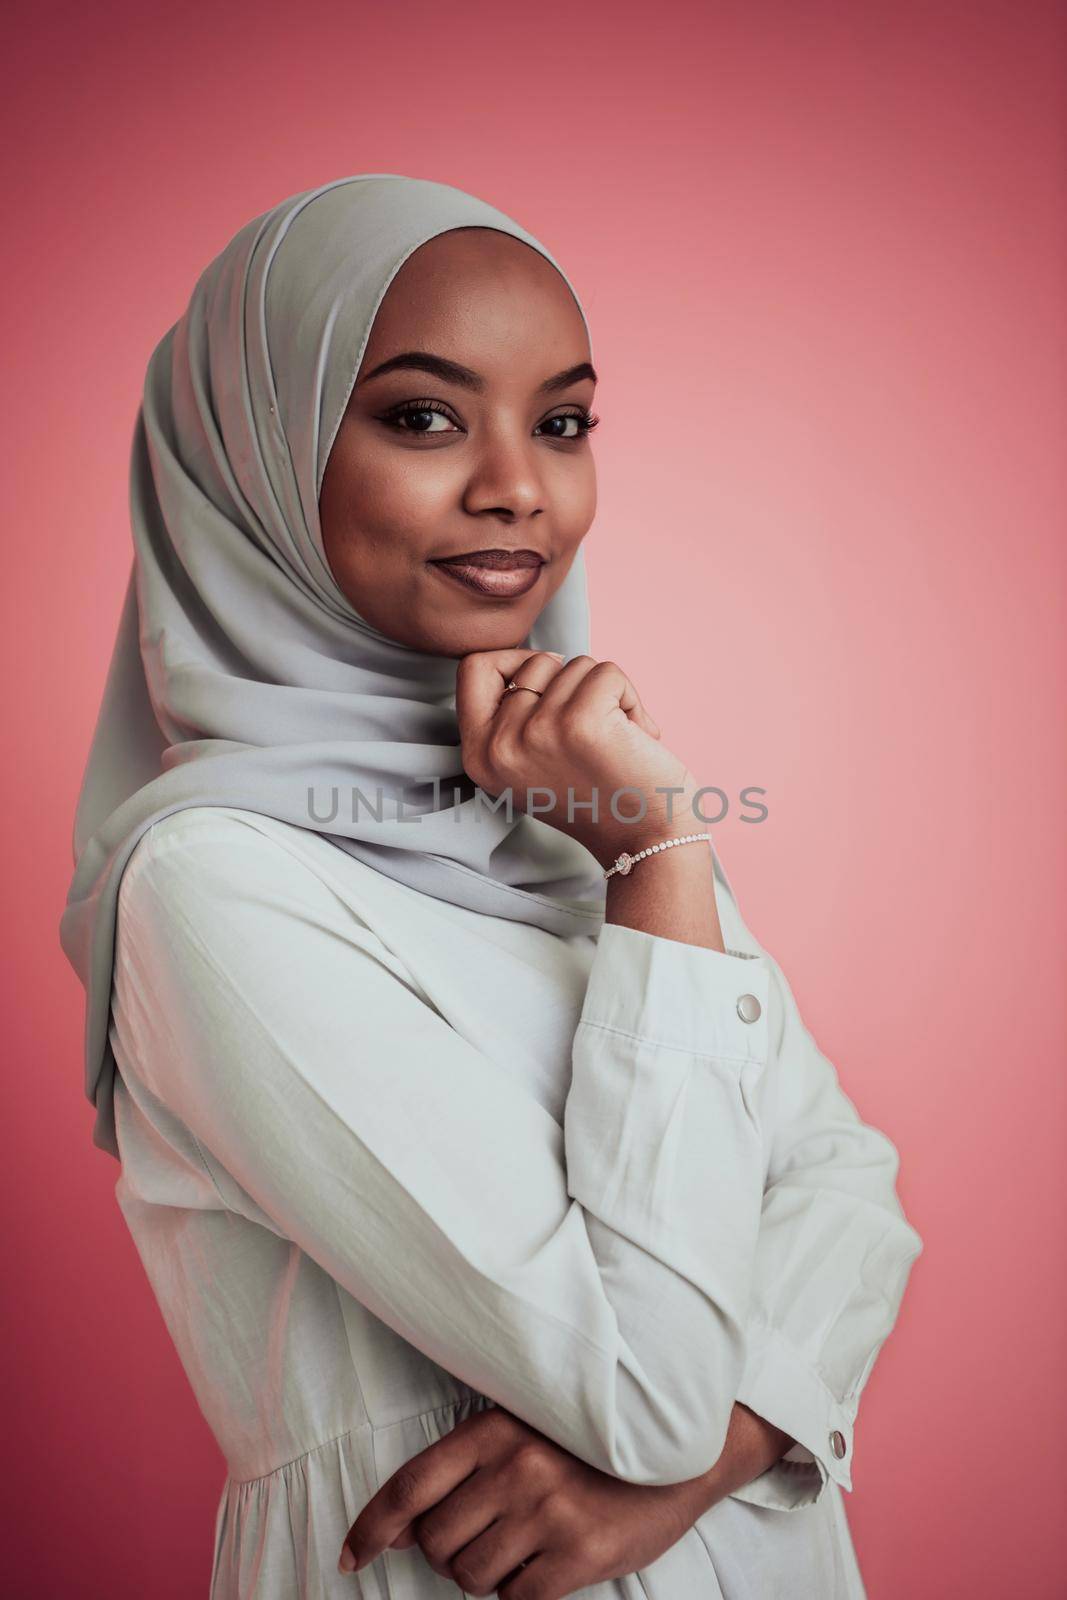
<point x="200" y="834"/>
<point x="203" y="854"/>
<point x="245" y="893"/>
<point x="193" y="826"/>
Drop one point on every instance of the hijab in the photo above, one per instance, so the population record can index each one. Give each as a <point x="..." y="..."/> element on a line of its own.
<point x="241" y="674"/>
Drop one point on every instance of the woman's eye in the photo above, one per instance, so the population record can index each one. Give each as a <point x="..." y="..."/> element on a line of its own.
<point x="583" y="422"/>
<point x="417" y="419"/>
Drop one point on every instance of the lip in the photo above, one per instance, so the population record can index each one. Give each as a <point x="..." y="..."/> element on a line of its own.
<point x="497" y="574"/>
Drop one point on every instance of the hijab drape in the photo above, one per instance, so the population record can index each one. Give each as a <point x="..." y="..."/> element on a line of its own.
<point x="241" y="675"/>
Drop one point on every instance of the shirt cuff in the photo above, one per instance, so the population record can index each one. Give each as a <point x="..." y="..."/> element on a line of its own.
<point x="780" y="1387"/>
<point x="682" y="996"/>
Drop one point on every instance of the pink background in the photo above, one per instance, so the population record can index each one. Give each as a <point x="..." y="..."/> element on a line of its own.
<point x="822" y="251"/>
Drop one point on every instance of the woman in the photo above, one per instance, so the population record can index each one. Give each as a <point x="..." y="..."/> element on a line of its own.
<point x="511" y="1227"/>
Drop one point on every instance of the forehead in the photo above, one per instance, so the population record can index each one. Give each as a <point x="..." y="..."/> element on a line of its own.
<point x="483" y="298"/>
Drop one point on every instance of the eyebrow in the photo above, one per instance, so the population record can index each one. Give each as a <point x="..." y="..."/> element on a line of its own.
<point x="451" y="372"/>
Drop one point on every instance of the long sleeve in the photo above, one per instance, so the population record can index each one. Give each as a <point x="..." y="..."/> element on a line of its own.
<point x="594" y="1279"/>
<point x="833" y="1257"/>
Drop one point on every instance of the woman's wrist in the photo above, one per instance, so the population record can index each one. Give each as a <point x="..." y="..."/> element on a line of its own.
<point x="670" y="816"/>
<point x="671" y="894"/>
<point x="670" y="891"/>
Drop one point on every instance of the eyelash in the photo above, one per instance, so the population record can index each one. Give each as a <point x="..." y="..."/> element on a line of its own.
<point x="585" y="419"/>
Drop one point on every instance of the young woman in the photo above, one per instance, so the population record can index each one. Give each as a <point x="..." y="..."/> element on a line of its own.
<point x="513" y="1231"/>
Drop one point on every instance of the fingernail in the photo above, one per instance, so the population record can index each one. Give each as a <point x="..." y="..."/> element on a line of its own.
<point x="347" y="1562"/>
<point x="554" y="653"/>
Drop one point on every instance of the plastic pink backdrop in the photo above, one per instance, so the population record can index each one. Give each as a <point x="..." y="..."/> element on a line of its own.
<point x="822" y="249"/>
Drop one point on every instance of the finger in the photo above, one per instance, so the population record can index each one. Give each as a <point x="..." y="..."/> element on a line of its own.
<point x="481" y="679"/>
<point x="645" y="720"/>
<point x="487" y="1560"/>
<point x="549" y="1577"/>
<point x="585" y="678"/>
<point x="567" y="680"/>
<point x="565" y="683"/>
<point x="607" y="688"/>
<point x="537" y="673"/>
<point x="416" y="1486"/>
<point x="469" y="1511"/>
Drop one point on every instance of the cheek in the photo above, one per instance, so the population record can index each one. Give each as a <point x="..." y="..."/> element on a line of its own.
<point x="575" y="499"/>
<point x="388" y="505"/>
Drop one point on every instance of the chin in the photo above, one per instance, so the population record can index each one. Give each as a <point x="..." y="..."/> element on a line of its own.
<point x="463" y="634"/>
<point x="469" y="644"/>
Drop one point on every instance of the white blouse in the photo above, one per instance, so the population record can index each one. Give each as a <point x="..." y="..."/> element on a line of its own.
<point x="388" y="1161"/>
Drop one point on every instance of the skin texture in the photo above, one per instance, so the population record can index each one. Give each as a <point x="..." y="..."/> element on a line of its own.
<point x="493" y="470"/>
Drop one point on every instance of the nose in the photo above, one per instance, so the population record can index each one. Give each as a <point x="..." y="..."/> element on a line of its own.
<point x="504" y="478"/>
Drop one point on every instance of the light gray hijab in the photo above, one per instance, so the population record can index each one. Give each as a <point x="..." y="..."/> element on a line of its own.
<point x="241" y="675"/>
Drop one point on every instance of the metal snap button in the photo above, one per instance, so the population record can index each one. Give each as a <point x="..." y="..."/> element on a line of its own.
<point x="837" y="1443"/>
<point x="749" y="1008"/>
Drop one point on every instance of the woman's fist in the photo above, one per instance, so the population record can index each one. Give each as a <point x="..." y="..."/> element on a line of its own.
<point x="569" y="750"/>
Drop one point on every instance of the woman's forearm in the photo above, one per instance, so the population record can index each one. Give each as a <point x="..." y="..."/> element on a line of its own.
<point x="675" y="899"/>
<point x="752" y="1446"/>
<point x="672" y="893"/>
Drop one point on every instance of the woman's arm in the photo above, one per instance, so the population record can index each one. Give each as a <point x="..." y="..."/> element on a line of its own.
<point x="595" y="1279"/>
<point x="831" y="1188"/>
<point x="833" y="1258"/>
<point x="492" y="1490"/>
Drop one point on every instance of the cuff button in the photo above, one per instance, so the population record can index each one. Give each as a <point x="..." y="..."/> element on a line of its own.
<point x="749" y="1008"/>
<point x="837" y="1443"/>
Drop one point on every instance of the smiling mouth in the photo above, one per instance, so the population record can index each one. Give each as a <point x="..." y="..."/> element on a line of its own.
<point x="498" y="574"/>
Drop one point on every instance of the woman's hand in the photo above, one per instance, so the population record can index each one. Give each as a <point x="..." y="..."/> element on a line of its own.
<point x="500" y="1509"/>
<point x="585" y="734"/>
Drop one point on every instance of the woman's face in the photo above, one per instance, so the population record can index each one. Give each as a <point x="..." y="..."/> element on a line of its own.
<point x="487" y="454"/>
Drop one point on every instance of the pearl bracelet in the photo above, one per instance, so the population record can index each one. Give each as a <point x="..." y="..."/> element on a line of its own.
<point x="625" y="862"/>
